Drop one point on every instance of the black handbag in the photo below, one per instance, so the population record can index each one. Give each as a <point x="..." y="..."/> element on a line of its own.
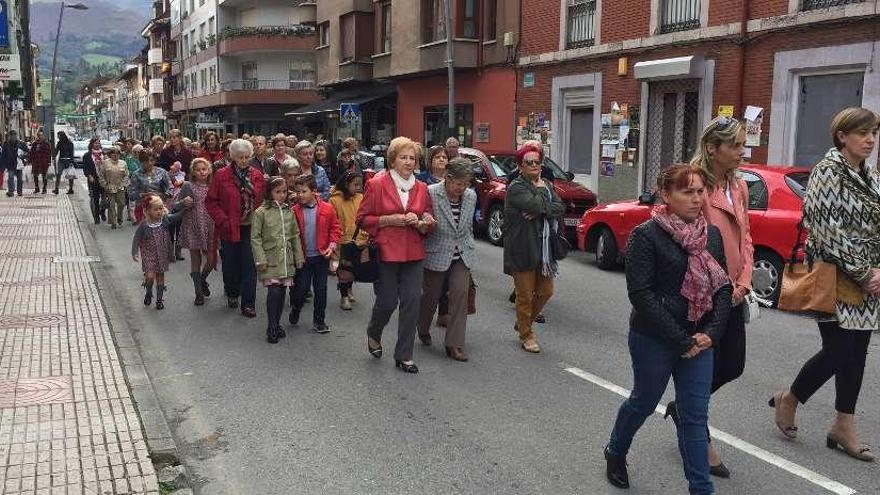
<point x="559" y="245"/>
<point x="361" y="261"/>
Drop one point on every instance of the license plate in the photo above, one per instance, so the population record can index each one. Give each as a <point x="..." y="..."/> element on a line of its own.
<point x="571" y="222"/>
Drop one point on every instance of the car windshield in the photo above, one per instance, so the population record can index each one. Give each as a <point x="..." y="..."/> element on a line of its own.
<point x="497" y="168"/>
<point x="797" y="182"/>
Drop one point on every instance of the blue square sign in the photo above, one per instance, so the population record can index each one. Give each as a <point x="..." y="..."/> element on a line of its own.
<point x="350" y="111"/>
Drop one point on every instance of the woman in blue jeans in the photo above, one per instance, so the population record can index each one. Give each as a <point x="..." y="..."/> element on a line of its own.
<point x="681" y="297"/>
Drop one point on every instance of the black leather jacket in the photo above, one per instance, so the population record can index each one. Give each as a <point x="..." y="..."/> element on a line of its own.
<point x="655" y="269"/>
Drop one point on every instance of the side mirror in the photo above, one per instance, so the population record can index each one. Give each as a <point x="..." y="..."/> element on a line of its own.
<point x="647" y="198"/>
<point x="569" y="175"/>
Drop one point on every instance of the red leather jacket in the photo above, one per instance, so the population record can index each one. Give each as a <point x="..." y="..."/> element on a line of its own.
<point x="328" y="225"/>
<point x="223" y="201"/>
<point x="396" y="244"/>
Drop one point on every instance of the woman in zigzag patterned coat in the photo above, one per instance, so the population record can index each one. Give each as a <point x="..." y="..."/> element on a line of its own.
<point x="842" y="215"/>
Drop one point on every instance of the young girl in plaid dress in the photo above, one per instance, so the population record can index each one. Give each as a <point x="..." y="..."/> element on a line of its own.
<point x="153" y="248"/>
<point x="197" y="227"/>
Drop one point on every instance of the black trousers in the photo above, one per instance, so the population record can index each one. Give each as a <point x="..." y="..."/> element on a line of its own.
<point x="730" y="352"/>
<point x="842" y="356"/>
<point x="96" y="194"/>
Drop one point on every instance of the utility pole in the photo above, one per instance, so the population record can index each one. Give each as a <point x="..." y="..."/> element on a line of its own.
<point x="76" y="6"/>
<point x="450" y="70"/>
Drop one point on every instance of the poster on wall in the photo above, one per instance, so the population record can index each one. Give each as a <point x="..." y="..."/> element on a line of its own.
<point x="606" y="168"/>
<point x="10" y="67"/>
<point x="482" y="134"/>
<point x="754" y="117"/>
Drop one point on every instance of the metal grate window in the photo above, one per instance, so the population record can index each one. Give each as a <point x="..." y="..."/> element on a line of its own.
<point x="581" y="23"/>
<point x="823" y="4"/>
<point x="680" y="15"/>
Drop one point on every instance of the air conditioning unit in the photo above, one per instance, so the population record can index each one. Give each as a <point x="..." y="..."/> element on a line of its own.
<point x="508" y="38"/>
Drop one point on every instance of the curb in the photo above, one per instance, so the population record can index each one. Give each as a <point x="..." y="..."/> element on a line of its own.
<point x="160" y="441"/>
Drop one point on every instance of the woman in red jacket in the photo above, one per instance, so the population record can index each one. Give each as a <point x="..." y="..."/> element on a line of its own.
<point x="236" y="191"/>
<point x="396" y="211"/>
<point x="211" y="149"/>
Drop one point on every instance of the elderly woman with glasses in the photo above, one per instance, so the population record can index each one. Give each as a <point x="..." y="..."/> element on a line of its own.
<point x="236" y="191"/>
<point x="532" y="212"/>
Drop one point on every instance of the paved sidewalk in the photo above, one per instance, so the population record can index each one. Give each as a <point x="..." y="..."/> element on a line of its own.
<point x="68" y="424"/>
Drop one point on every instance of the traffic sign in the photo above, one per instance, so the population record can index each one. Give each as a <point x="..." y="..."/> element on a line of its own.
<point x="350" y="111"/>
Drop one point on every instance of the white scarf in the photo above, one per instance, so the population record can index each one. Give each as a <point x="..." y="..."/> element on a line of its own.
<point x="403" y="186"/>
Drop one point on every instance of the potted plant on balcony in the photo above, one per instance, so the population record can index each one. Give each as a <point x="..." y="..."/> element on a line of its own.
<point x="212" y="38"/>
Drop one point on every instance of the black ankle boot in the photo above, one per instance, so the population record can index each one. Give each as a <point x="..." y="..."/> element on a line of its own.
<point x="197" y="286"/>
<point x="148" y="293"/>
<point x="206" y="291"/>
<point x="615" y="469"/>
<point x="160" y="292"/>
<point x="271" y="334"/>
<point x="274" y="308"/>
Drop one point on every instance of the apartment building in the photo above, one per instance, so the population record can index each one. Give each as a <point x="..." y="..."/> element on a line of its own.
<point x="618" y="89"/>
<point x="157" y="68"/>
<point x="240" y="65"/>
<point x="389" y="57"/>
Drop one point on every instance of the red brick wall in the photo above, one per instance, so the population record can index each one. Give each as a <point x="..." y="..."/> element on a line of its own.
<point x="757" y="85"/>
<point x="624" y="19"/>
<point x="726" y="11"/>
<point x="766" y="8"/>
<point x="539" y="32"/>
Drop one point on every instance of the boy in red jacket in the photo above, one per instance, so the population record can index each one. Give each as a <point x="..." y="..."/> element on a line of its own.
<point x="319" y="234"/>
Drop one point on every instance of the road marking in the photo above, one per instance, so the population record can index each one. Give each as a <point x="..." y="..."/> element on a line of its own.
<point x="753" y="450"/>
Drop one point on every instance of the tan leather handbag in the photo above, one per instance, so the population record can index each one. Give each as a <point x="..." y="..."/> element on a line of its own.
<point x="809" y="286"/>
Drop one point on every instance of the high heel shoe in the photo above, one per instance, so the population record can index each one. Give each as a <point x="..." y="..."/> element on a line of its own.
<point x="671" y="412"/>
<point x="863" y="453"/>
<point x="615" y="469"/>
<point x="407" y="367"/>
<point x="790" y="431"/>
<point x="719" y="471"/>
<point x="375" y="352"/>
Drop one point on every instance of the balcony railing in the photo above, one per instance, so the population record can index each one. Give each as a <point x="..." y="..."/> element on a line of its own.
<point x="301" y="30"/>
<point x="581" y="23"/>
<point x="680" y="15"/>
<point x="824" y="4"/>
<point x="265" y="84"/>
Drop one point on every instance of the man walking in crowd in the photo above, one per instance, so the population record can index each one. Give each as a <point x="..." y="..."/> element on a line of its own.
<point x="40" y="156"/>
<point x="13" y="157"/>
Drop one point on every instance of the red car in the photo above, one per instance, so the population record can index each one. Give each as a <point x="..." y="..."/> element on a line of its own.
<point x="775" y="203"/>
<point x="490" y="178"/>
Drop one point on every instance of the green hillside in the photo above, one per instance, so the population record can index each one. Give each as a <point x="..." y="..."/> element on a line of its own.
<point x="95" y="59"/>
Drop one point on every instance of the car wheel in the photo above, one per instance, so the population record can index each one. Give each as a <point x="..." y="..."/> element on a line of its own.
<point x="495" y="225"/>
<point x="767" y="275"/>
<point x="606" y="250"/>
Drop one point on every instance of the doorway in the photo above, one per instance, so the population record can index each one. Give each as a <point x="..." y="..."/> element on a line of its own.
<point x="819" y="99"/>
<point x="672" y="125"/>
<point x="580" y="140"/>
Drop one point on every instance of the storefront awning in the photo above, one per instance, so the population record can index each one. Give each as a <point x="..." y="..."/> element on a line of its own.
<point x="359" y="95"/>
<point x="669" y="68"/>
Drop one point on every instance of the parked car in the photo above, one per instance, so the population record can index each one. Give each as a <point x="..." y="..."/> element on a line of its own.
<point x="490" y="182"/>
<point x="775" y="203"/>
<point x="79" y="149"/>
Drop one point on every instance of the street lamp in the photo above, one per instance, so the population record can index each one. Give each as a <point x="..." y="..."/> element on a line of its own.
<point x="74" y="6"/>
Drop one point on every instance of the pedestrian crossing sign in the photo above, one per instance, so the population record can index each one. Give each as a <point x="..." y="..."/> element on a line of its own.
<point x="350" y="112"/>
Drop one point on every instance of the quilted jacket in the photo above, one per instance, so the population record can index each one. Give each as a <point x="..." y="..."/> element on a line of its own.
<point x="655" y="269"/>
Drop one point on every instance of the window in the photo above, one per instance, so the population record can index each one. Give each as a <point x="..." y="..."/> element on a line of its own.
<point x="193" y="84"/>
<point x="249" y="75"/>
<point x="204" y="78"/>
<point x="581" y="23"/>
<point x="680" y="15"/>
<point x="324" y="33"/>
<point x="823" y="4"/>
<point x="490" y="14"/>
<point x="385" y="28"/>
<point x="201" y="33"/>
<point x="211" y="28"/>
<point x="467" y="19"/>
<point x="347" y="37"/>
<point x="201" y="2"/>
<point x="185" y="46"/>
<point x="437" y="120"/>
<point x="757" y="191"/>
<point x="433" y="20"/>
<point x="192" y="5"/>
<point x="302" y="74"/>
<point x="213" y="79"/>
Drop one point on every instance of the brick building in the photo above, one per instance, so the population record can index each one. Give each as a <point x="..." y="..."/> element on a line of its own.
<point x="591" y="70"/>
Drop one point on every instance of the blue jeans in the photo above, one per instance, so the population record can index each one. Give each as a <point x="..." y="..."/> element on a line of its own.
<point x="653" y="362"/>
<point x="14" y="181"/>
<point x="312" y="275"/>
<point x="239" y="271"/>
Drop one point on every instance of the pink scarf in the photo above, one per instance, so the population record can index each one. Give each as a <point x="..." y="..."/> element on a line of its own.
<point x="704" y="275"/>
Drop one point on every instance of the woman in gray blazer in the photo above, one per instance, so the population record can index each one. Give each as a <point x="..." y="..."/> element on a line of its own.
<point x="450" y="253"/>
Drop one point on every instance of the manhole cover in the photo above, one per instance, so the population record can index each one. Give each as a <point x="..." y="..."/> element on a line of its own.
<point x="38" y="320"/>
<point x="24" y="392"/>
<point x="75" y="259"/>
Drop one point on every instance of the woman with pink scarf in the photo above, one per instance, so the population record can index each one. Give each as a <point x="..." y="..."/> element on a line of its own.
<point x="681" y="297"/>
<point x="92" y="159"/>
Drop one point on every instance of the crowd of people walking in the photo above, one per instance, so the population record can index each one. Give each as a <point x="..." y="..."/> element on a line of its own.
<point x="278" y="210"/>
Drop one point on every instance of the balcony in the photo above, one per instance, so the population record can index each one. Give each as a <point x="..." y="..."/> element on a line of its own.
<point x="432" y="56"/>
<point x="680" y="15"/>
<point x="266" y="85"/>
<point x="327" y="9"/>
<point x="308" y="11"/>
<point x="354" y="70"/>
<point x="824" y="4"/>
<point x="154" y="56"/>
<point x="296" y="38"/>
<point x="157" y="114"/>
<point x="157" y="86"/>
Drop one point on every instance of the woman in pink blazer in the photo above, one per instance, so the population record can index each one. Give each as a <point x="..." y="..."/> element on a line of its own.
<point x="396" y="211"/>
<point x="720" y="153"/>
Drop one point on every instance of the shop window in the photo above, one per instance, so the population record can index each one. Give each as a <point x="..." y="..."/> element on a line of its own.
<point x="490" y="14"/>
<point x="581" y="23"/>
<point x="324" y="33"/>
<point x="385" y="28"/>
<point x="433" y="20"/>
<point x="467" y="19"/>
<point x="680" y="15"/>
<point x="437" y="122"/>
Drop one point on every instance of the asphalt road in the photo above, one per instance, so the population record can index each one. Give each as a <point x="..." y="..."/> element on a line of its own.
<point x="317" y="414"/>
